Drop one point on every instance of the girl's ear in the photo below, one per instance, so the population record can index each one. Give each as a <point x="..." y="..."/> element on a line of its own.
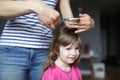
<point x="56" y="51"/>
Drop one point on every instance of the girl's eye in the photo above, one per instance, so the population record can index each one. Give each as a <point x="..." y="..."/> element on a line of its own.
<point x="77" y="48"/>
<point x="68" y="48"/>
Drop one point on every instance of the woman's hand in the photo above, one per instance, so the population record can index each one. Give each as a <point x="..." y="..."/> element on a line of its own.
<point x="85" y="23"/>
<point x="49" y="16"/>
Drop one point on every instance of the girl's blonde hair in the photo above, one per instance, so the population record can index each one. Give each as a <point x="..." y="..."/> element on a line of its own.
<point x="62" y="36"/>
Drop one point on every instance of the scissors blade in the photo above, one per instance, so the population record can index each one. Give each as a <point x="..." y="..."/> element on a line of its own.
<point x="70" y="20"/>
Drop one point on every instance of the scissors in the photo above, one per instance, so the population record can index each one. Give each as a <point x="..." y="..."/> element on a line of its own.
<point x="70" y="20"/>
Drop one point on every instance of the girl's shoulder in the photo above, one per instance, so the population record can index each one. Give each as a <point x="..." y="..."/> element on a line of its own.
<point x="49" y="74"/>
<point x="76" y="72"/>
<point x="75" y="68"/>
<point x="49" y="71"/>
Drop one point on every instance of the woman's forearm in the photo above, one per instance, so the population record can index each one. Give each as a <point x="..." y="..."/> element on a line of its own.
<point x="14" y="8"/>
<point x="65" y="9"/>
<point x="11" y="8"/>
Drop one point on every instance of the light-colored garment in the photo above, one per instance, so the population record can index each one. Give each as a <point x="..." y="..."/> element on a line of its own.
<point x="56" y="73"/>
<point x="27" y="31"/>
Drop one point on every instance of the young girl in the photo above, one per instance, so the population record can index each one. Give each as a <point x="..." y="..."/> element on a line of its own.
<point x="64" y="56"/>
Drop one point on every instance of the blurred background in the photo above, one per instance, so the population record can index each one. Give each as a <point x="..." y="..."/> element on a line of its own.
<point x="103" y="39"/>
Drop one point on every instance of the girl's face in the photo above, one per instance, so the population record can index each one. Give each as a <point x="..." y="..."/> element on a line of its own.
<point x="68" y="54"/>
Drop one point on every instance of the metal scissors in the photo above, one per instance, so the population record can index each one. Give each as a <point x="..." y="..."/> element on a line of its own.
<point x="70" y="19"/>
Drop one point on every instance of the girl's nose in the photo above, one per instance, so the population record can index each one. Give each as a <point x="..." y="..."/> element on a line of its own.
<point x="73" y="52"/>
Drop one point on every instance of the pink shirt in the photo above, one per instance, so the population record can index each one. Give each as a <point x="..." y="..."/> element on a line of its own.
<point x="56" y="73"/>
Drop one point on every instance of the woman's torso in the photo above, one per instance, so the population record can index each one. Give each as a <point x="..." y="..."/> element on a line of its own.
<point x="27" y="31"/>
